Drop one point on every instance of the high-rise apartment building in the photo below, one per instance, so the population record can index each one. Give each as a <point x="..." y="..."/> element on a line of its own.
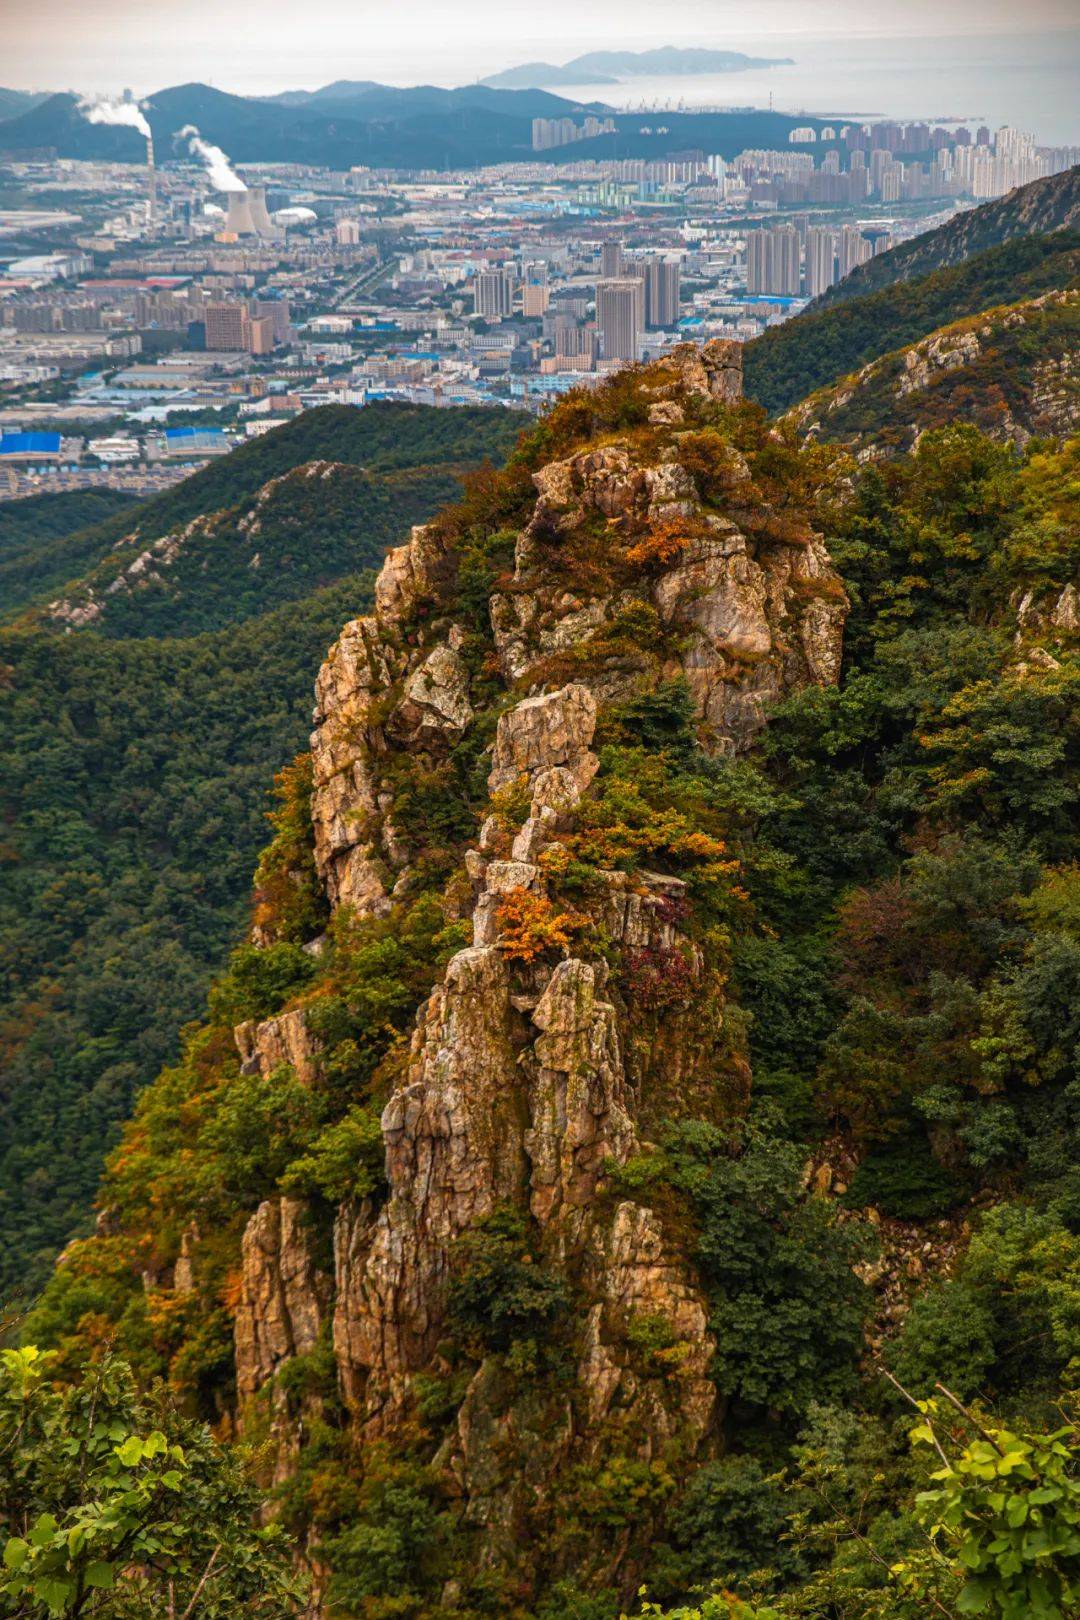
<point x="662" y="278"/>
<point x="772" y="262"/>
<point x="275" y="310"/>
<point x="493" y="294"/>
<point x="620" y="317"/>
<point x="853" y="250"/>
<point x="612" y="261"/>
<point x="820" y="260"/>
<point x="226" y="326"/>
<point x="575" y="344"/>
<point x="535" y="297"/>
<point x="260" y="335"/>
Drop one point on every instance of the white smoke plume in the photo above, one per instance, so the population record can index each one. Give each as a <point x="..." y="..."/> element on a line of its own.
<point x="218" y="167"/>
<point x="98" y="110"/>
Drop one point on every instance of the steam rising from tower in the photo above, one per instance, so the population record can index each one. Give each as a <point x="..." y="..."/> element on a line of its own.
<point x="222" y="175"/>
<point x="127" y="114"/>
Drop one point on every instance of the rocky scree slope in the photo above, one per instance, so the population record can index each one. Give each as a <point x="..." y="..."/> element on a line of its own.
<point x="1011" y="372"/>
<point x="560" y="950"/>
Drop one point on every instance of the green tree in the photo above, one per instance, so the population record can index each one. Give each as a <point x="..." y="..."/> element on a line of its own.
<point x="113" y="1506"/>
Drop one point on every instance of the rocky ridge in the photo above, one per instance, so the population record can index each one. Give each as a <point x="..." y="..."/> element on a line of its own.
<point x="1011" y="371"/>
<point x="527" y="1079"/>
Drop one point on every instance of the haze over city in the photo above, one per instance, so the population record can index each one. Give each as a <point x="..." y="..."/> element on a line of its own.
<point x="107" y="44"/>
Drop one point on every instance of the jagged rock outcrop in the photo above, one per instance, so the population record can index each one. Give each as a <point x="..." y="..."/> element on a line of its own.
<point x="531" y="1076"/>
<point x="284" y="1296"/>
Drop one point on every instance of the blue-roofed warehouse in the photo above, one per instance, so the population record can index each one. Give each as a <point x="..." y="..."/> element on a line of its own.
<point x="30" y="447"/>
<point x="195" y="442"/>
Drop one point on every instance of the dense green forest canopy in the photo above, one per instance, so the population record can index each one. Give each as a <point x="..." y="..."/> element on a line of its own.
<point x="790" y="361"/>
<point x="46" y="540"/>
<point x="134" y="777"/>
<point x="905" y="950"/>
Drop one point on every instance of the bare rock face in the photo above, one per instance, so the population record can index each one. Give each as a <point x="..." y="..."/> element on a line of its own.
<point x="553" y="730"/>
<point x="453" y="1151"/>
<point x="286" y="1039"/>
<point x="532" y="1074"/>
<point x="284" y="1297"/>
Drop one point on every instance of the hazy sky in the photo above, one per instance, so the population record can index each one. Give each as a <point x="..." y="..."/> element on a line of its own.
<point x="258" y="46"/>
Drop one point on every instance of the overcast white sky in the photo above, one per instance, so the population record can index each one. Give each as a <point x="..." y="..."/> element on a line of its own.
<point x="258" y="46"/>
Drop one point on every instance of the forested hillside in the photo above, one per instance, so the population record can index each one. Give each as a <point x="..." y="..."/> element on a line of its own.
<point x="790" y="361"/>
<point x="1009" y="371"/>
<point x="284" y="515"/>
<point x="656" y="1066"/>
<point x="46" y="540"/>
<point x="135" y="773"/>
<point x="1049" y="204"/>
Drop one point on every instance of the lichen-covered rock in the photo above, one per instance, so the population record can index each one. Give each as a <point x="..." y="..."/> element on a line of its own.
<point x="453" y="1150"/>
<point x="553" y="729"/>
<point x="437" y="694"/>
<point x="284" y="1297"/>
<point x="265" y="1046"/>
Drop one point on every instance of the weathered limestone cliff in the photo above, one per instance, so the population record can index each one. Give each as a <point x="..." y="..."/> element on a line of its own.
<point x="534" y="1071"/>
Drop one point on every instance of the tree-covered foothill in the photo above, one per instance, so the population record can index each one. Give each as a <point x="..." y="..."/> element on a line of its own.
<point x="292" y="511"/>
<point x="135" y="773"/>
<point x="48" y="539"/>
<point x="792" y="360"/>
<point x="874" y="1180"/>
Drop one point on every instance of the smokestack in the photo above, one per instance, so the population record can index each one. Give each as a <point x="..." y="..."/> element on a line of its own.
<point x="151" y="180"/>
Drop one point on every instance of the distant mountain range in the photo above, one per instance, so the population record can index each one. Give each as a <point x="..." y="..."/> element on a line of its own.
<point x="359" y="122"/>
<point x="14" y="102"/>
<point x="610" y="67"/>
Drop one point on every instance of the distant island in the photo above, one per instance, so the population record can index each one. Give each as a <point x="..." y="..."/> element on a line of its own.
<point x="609" y="67"/>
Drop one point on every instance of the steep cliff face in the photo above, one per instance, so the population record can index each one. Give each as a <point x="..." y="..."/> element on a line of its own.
<point x="544" y="1052"/>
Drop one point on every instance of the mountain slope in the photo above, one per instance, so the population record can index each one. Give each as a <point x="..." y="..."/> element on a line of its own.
<point x="318" y="498"/>
<point x="1049" y="204"/>
<point x="790" y="361"/>
<point x="662" y="1011"/>
<point x="420" y="128"/>
<point x="134" y="773"/>
<point x="48" y="539"/>
<point x="14" y="102"/>
<point x="1010" y="371"/>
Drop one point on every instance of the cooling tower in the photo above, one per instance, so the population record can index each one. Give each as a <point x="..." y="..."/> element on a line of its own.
<point x="261" y="222"/>
<point x="239" y="221"/>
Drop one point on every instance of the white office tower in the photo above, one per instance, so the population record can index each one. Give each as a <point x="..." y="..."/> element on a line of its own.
<point x="620" y="318"/>
<point x="493" y="294"/>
